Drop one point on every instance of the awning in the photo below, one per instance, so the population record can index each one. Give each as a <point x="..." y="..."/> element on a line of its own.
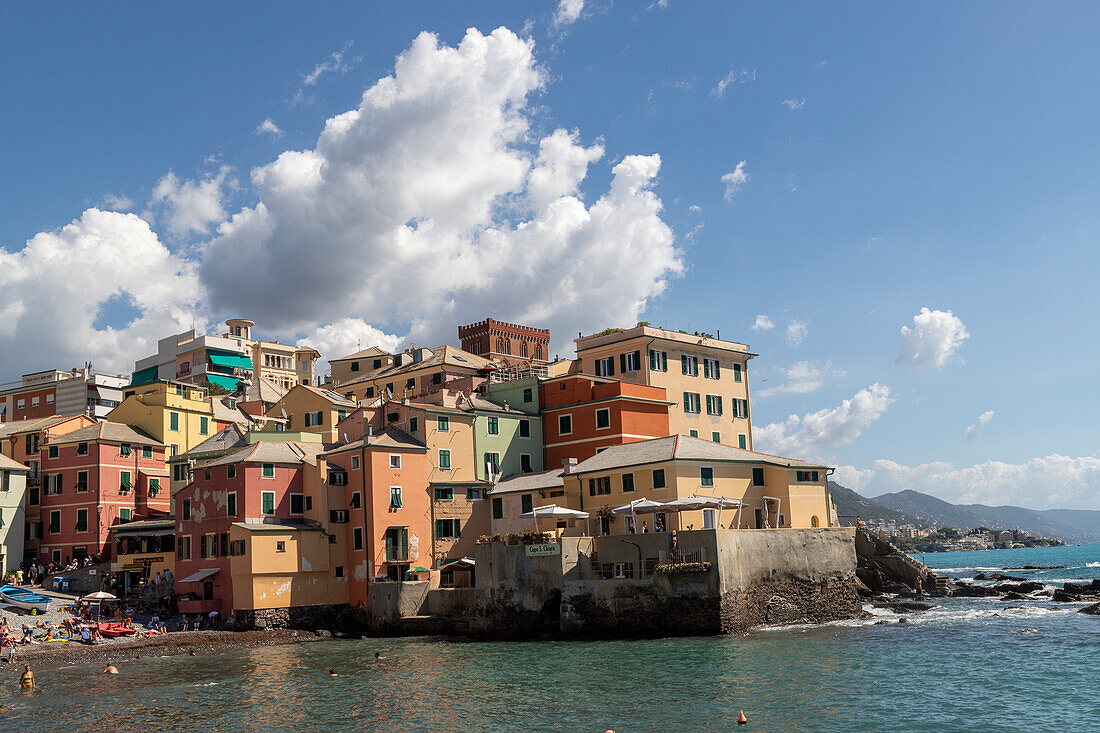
<point x="108" y="393"/>
<point x="144" y="376"/>
<point x="233" y="361"/>
<point x="467" y="562"/>
<point x="200" y="575"/>
<point x="155" y="472"/>
<point x="221" y="380"/>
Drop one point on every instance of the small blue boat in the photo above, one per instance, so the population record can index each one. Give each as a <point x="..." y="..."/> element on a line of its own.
<point x="25" y="598"/>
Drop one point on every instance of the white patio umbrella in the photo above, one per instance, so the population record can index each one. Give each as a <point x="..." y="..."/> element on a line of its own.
<point x="552" y="511"/>
<point x="696" y="501"/>
<point x="99" y="597"/>
<point x="638" y="506"/>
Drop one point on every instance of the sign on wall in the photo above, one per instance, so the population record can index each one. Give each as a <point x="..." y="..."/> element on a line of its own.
<point x="552" y="548"/>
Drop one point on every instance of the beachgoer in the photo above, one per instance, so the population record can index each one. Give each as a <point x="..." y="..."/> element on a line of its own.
<point x="919" y="589"/>
<point x="86" y="635"/>
<point x="26" y="682"/>
<point x="167" y="575"/>
<point x="8" y="646"/>
<point x="332" y="672"/>
<point x="645" y="528"/>
<point x="111" y="669"/>
<point x="19" y="576"/>
<point x="378" y="655"/>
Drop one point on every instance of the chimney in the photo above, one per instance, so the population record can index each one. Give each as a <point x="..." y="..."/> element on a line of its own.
<point x="569" y="465"/>
<point x="505" y="405"/>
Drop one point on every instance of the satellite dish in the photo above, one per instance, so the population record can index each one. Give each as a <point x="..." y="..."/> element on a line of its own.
<point x="283" y="410"/>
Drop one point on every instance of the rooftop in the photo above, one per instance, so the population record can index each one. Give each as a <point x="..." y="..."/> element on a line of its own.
<point x="271" y="452"/>
<point x="688" y="339"/>
<point x="25" y="426"/>
<point x="365" y="353"/>
<point x="679" y="447"/>
<point x="8" y="464"/>
<point x="111" y="432"/>
<point x="522" y="482"/>
<point x="390" y="438"/>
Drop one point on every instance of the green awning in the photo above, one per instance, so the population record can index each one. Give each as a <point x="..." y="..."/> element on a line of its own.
<point x="144" y="376"/>
<point x="222" y="380"/>
<point x="233" y="361"/>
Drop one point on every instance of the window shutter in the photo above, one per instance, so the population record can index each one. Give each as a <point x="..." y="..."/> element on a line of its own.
<point x="718" y="401"/>
<point x="684" y="364"/>
<point x="687" y="401"/>
<point x="717" y="370"/>
<point x="622" y="362"/>
<point x="610" y="366"/>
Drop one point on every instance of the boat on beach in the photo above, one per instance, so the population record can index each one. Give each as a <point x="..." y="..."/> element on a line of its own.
<point x="115" y="629"/>
<point x="25" y="598"/>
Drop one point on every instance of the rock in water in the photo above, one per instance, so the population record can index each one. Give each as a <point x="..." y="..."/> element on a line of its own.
<point x="1093" y="610"/>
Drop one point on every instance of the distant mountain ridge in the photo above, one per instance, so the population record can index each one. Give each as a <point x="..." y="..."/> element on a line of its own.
<point x="913" y="507"/>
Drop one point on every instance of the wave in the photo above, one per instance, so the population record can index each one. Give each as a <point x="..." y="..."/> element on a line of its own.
<point x="1092" y="565"/>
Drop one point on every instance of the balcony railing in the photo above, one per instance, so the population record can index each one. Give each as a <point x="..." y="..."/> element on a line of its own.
<point x="397" y="554"/>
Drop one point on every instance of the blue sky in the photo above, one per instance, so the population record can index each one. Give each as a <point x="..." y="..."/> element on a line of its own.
<point x="939" y="156"/>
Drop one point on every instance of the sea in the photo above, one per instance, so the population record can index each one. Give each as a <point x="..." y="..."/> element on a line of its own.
<point x="967" y="665"/>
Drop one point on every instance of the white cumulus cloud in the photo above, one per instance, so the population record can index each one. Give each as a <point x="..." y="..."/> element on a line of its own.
<point x="975" y="430"/>
<point x="189" y="207"/>
<point x="796" y="332"/>
<point x="794" y="104"/>
<point x="426" y="205"/>
<point x="54" y="290"/>
<point x="932" y="339"/>
<point x="114" y="202"/>
<point x="800" y="378"/>
<point x="346" y="336"/>
<point x="735" y="180"/>
<point x="1053" y="481"/>
<point x="268" y="127"/>
<point x="568" y="12"/>
<point x="813" y="435"/>
<point x="763" y="323"/>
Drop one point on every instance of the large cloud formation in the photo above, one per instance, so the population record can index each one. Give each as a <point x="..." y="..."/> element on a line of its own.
<point x="54" y="290"/>
<point x="813" y="435"/>
<point x="932" y="339"/>
<point x="427" y="205"/>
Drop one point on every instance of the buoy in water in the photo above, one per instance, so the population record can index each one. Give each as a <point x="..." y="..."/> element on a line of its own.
<point x="741" y="719"/>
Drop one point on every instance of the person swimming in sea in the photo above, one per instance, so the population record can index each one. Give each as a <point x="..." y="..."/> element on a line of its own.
<point x="26" y="682"/>
<point x="111" y="669"/>
<point x="378" y="656"/>
<point x="332" y="672"/>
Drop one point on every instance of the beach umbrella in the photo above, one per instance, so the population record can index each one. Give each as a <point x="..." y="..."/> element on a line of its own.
<point x="643" y="506"/>
<point x="552" y="511"/>
<point x="99" y="597"/>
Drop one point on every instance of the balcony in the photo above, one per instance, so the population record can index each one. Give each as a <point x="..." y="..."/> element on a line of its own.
<point x="397" y="554"/>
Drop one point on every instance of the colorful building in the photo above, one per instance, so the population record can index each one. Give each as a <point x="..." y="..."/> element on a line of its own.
<point x="521" y="392"/>
<point x="506" y="343"/>
<point x="417" y="372"/>
<point x="142" y="550"/>
<point x="506" y="440"/>
<point x="517" y="495"/>
<point x="705" y="378"/>
<point x="313" y="410"/>
<point x="387" y="510"/>
<point x="93" y="478"/>
<point x="583" y="415"/>
<point x="177" y="414"/>
<point x="13" y="489"/>
<point x="773" y="492"/>
<point x="243" y="538"/>
<point x="356" y="365"/>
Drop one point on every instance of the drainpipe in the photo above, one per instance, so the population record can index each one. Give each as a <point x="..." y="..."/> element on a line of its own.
<point x="639" y="549"/>
<point x="828" y="500"/>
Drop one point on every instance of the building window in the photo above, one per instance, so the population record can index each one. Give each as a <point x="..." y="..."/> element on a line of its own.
<point x="693" y="433"/>
<point x="206" y="474"/>
<point x="185" y="512"/>
<point x="525" y="463"/>
<point x="737" y="377"/>
<point x="124" y="450"/>
<point x="315" y="419"/>
<point x="35" y="401"/>
<point x="689" y="365"/>
<point x="231" y="504"/>
<point x="355" y="366"/>
<point x="565" y="425"/>
<point x="125" y="515"/>
<point x="82" y="520"/>
<point x="357" y="538"/>
<point x="339" y="568"/>
<point x="473" y="494"/>
<point x="603" y="418"/>
<point x="742" y="441"/>
<point x="410" y="383"/>
<point x="356" y="500"/>
<point x="267" y="500"/>
<point x="55" y="522"/>
<point x="173" y="421"/>
<point x="525" y="428"/>
<point x="706" y="476"/>
<point x="414" y="425"/>
<point x="268" y="470"/>
<point x="659" y="478"/>
<point x="124" y="483"/>
<point x="154" y="486"/>
<point x="447" y="529"/>
<point x="691" y="402"/>
<point x="492" y="426"/>
<point x="807" y="476"/>
<point x="605" y="367"/>
<point x="82" y="449"/>
<point x="443" y="424"/>
<point x="204" y="425"/>
<point x="369" y="393"/>
<point x="492" y="463"/>
<point x="280" y="546"/>
<point x="526" y="503"/>
<point x="395" y="461"/>
<point x="628" y="483"/>
<point x="183" y="548"/>
<point x="716" y="436"/>
<point x="53" y="451"/>
<point x="714" y="404"/>
<point x="757" y="477"/>
<point x="49" y="399"/>
<point x="444" y="493"/>
<point x="631" y="362"/>
<point x="599" y="486"/>
<point x="528" y="395"/>
<point x="444" y="459"/>
<point x="498" y="508"/>
<point x="236" y="548"/>
<point x="395" y="497"/>
<point x="338" y="516"/>
<point x="146" y="451"/>
<point x="355" y="463"/>
<point x="740" y="408"/>
<point x="297" y="504"/>
<point x="20" y="404"/>
<point x="658" y="361"/>
<point x="231" y="470"/>
<point x="711" y="370"/>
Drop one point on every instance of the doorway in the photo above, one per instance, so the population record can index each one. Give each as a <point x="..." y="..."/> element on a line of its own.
<point x="758" y="516"/>
<point x="708" y="519"/>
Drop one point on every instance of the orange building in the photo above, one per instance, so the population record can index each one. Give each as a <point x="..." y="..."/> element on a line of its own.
<point x="582" y="414"/>
<point x="388" y="510"/>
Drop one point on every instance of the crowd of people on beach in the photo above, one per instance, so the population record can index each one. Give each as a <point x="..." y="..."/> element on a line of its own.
<point x="29" y="574"/>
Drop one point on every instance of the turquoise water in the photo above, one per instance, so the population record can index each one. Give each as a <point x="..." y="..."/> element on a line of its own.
<point x="961" y="667"/>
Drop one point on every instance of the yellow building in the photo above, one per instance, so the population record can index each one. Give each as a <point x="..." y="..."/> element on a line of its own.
<point x="176" y="414"/>
<point x="416" y="372"/>
<point x="356" y="365"/>
<point x="705" y="378"/>
<point x="313" y="410"/>
<point x="144" y="550"/>
<point x="773" y="492"/>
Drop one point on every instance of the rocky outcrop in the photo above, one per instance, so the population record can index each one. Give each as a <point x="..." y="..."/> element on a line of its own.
<point x="790" y="602"/>
<point x="963" y="589"/>
<point x="296" y="617"/>
<point x="999" y="577"/>
<point x="1093" y="610"/>
<point x="905" y="606"/>
<point x="1026" y="587"/>
<point x="1074" y="592"/>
